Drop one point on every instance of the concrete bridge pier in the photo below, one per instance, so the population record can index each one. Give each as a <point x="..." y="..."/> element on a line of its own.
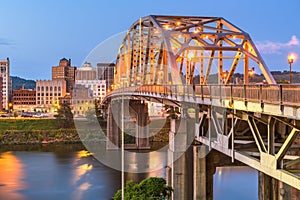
<point x="271" y="189"/>
<point x="113" y="125"/>
<point x="139" y="111"/>
<point x="180" y="157"/>
<point x="136" y="119"/>
<point x="202" y="174"/>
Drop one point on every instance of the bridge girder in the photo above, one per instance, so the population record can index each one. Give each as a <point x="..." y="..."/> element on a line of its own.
<point x="176" y="49"/>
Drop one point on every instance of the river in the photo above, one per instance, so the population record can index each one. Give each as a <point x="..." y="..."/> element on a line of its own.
<point x="70" y="172"/>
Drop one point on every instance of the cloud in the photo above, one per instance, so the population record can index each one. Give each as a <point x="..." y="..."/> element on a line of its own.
<point x="269" y="47"/>
<point x="5" y="42"/>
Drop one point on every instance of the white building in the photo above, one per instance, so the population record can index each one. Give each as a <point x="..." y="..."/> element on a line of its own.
<point x="48" y="93"/>
<point x="98" y="87"/>
<point x="6" y="82"/>
<point x="155" y="109"/>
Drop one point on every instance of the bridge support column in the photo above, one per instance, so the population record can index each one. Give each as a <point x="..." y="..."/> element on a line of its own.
<point x="140" y="111"/>
<point x="271" y="189"/>
<point x="133" y="109"/>
<point x="180" y="157"/>
<point x="113" y="125"/>
<point x="202" y="174"/>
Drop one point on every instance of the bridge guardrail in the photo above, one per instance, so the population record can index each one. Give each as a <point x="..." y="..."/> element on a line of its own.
<point x="264" y="93"/>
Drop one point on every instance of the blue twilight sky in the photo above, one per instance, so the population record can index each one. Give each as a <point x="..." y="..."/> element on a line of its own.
<point x="35" y="34"/>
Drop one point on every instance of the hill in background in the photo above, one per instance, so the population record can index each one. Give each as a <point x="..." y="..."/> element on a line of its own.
<point x="17" y="82"/>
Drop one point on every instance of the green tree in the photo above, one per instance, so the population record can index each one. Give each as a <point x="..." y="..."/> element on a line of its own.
<point x="16" y="114"/>
<point x="98" y="108"/>
<point x="65" y="116"/>
<point x="150" y="188"/>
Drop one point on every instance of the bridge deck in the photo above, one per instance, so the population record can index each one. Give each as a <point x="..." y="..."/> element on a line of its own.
<point x="277" y="101"/>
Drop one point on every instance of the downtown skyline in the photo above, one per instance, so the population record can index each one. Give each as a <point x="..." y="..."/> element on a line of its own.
<point x="36" y="34"/>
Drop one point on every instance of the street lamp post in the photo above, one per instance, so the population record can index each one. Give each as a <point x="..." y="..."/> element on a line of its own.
<point x="291" y="59"/>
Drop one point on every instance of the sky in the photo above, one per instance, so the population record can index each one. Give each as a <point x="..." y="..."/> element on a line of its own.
<point x="36" y="34"/>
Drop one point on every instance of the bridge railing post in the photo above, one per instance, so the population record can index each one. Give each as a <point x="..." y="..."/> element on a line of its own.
<point x="231" y="95"/>
<point x="245" y="94"/>
<point x="210" y="93"/>
<point x="280" y="98"/>
<point x="260" y="97"/>
<point x="220" y="91"/>
<point x="202" y="95"/>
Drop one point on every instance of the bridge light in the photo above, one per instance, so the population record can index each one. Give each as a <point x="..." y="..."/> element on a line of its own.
<point x="251" y="71"/>
<point x="225" y="74"/>
<point x="291" y="59"/>
<point x="166" y="26"/>
<point x="196" y="30"/>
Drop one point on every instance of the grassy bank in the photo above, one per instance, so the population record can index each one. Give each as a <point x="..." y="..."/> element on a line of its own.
<point x="38" y="131"/>
<point x="27" y="124"/>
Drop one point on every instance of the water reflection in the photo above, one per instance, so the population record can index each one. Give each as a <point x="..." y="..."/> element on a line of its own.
<point x="80" y="182"/>
<point x="11" y="177"/>
<point x="71" y="172"/>
<point x="235" y="183"/>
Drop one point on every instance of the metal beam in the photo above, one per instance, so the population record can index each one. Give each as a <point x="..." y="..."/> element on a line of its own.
<point x="286" y="145"/>
<point x="255" y="132"/>
<point x="281" y="175"/>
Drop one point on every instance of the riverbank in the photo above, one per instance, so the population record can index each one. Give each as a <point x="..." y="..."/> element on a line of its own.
<point x="45" y="131"/>
<point x="42" y="131"/>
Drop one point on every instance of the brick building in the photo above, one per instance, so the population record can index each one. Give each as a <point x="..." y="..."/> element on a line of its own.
<point x="24" y="99"/>
<point x="64" y="71"/>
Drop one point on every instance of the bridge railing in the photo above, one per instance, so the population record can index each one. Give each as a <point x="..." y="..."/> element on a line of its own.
<point x="276" y="94"/>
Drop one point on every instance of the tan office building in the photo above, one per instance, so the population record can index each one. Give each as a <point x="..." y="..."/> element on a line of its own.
<point x="48" y="93"/>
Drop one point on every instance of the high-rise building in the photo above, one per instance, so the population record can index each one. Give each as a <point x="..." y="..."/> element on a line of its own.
<point x="64" y="71"/>
<point x="105" y="71"/>
<point x="48" y="93"/>
<point x="1" y="96"/>
<point x="6" y="82"/>
<point x="24" y="99"/>
<point x="86" y="72"/>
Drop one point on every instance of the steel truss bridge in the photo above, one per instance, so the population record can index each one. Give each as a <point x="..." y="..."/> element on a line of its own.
<point x="175" y="59"/>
